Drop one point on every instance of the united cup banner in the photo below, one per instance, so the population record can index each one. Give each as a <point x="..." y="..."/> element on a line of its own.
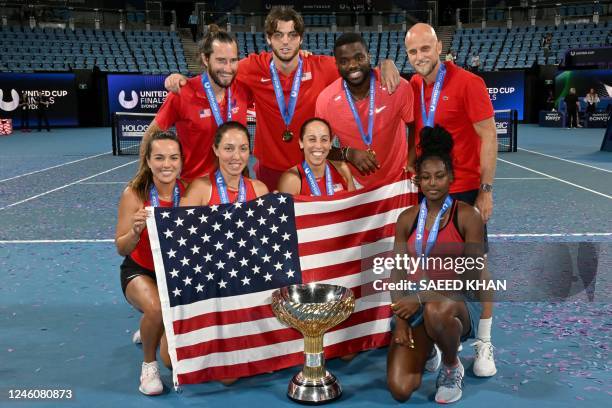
<point x="19" y="89"/>
<point x="217" y="267"/>
<point x="135" y="93"/>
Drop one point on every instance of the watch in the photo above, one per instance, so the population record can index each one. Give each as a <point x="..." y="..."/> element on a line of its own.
<point x="487" y="188"/>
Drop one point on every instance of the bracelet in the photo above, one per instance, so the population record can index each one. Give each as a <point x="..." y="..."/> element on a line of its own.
<point x="419" y="298"/>
<point x="345" y="153"/>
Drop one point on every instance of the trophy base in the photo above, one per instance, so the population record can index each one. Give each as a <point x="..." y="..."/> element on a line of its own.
<point x="320" y="391"/>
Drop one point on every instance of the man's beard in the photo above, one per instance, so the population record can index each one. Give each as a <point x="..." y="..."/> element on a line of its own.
<point x="285" y="59"/>
<point x="433" y="67"/>
<point x="217" y="81"/>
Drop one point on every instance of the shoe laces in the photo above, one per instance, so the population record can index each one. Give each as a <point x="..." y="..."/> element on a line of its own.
<point x="150" y="371"/>
<point x="450" y="377"/>
<point x="483" y="349"/>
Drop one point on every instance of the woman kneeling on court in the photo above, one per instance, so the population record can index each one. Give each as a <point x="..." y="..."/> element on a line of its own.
<point x="316" y="175"/>
<point x="228" y="183"/>
<point x="156" y="185"/>
<point x="438" y="228"/>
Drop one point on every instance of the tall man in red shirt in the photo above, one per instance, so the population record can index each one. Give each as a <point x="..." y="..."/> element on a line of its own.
<point x="458" y="100"/>
<point x="369" y="123"/>
<point x="205" y="102"/>
<point x="282" y="109"/>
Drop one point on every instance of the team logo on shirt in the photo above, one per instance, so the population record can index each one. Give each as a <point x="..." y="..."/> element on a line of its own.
<point x="445" y="98"/>
<point x="378" y="110"/>
<point x="12" y="105"/>
<point x="205" y="113"/>
<point x="307" y="76"/>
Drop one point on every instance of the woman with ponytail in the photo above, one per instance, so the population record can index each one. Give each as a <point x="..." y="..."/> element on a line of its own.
<point x="155" y="184"/>
<point x="440" y="228"/>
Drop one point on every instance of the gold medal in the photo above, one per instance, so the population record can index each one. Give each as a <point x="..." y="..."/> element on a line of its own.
<point x="287" y="135"/>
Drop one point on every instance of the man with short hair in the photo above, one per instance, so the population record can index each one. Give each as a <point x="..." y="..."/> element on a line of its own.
<point x="369" y="123"/>
<point x="285" y="88"/>
<point x="457" y="100"/>
<point x="205" y="103"/>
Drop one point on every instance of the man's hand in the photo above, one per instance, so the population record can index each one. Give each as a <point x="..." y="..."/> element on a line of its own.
<point x="389" y="75"/>
<point x="363" y="160"/>
<point x="484" y="204"/>
<point x="305" y="53"/>
<point x="174" y="82"/>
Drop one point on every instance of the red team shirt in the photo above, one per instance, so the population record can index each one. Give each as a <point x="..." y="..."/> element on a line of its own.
<point x="195" y="124"/>
<point x="318" y="71"/>
<point x="464" y="100"/>
<point x="392" y="113"/>
<point x="215" y="198"/>
<point x="142" y="254"/>
<point x="338" y="181"/>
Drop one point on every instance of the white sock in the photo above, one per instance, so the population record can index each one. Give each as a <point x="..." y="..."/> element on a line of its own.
<point x="484" y="329"/>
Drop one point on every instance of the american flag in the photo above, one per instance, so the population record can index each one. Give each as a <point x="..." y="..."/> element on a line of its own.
<point x="217" y="267"/>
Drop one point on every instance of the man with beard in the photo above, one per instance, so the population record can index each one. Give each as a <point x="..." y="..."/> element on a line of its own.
<point x="285" y="88"/>
<point x="458" y="101"/>
<point x="369" y="123"/>
<point x="205" y="103"/>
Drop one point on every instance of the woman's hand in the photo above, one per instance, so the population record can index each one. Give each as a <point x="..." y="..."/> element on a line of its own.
<point x="405" y="307"/>
<point x="139" y="221"/>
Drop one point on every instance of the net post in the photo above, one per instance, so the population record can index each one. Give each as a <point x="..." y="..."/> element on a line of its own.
<point x="514" y="130"/>
<point x="114" y="133"/>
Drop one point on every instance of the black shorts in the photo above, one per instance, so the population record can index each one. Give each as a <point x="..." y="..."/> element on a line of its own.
<point x="130" y="270"/>
<point x="468" y="197"/>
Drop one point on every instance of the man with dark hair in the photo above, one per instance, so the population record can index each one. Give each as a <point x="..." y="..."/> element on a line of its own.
<point x="285" y="87"/>
<point x="42" y="104"/>
<point x="572" y="105"/>
<point x="369" y="123"/>
<point x="24" y="105"/>
<point x="204" y="103"/>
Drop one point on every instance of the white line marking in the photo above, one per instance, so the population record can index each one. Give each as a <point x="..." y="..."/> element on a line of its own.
<point x="105" y="182"/>
<point x="578" y="234"/>
<point x="523" y="178"/>
<point x="566" y="160"/>
<point x="558" y="179"/>
<point x="85" y="241"/>
<point x="55" y="241"/>
<point x="66" y="185"/>
<point x="54" y="167"/>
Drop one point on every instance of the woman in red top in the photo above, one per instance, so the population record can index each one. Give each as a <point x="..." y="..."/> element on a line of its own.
<point x="440" y="228"/>
<point x="316" y="175"/>
<point x="228" y="183"/>
<point x="156" y="185"/>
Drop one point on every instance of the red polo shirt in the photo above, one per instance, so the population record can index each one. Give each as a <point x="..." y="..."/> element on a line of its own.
<point x="195" y="124"/>
<point x="464" y="100"/>
<point x="392" y="113"/>
<point x="318" y="71"/>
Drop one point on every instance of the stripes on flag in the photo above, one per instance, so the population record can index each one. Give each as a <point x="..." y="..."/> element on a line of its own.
<point x="230" y="331"/>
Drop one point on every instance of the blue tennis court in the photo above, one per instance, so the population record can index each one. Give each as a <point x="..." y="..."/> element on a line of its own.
<point x="66" y="325"/>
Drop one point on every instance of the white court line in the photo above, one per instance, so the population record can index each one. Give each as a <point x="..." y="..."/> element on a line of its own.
<point x="565" y="160"/>
<point x="54" y="167"/>
<point x="78" y="241"/>
<point x="523" y="178"/>
<point x="66" y="185"/>
<point x="105" y="182"/>
<point x="558" y="179"/>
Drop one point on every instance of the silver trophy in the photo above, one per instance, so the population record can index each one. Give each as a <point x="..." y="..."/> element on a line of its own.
<point x="313" y="309"/>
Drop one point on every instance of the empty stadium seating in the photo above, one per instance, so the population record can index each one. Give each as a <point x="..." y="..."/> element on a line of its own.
<point x="148" y="52"/>
<point x="520" y="47"/>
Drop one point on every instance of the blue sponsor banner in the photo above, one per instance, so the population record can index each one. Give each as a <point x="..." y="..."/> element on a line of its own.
<point x="59" y="90"/>
<point x="135" y="93"/>
<point x="506" y="90"/>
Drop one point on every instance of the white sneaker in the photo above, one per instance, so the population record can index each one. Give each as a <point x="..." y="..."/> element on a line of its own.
<point x="136" y="337"/>
<point x="484" y="364"/>
<point x="435" y="358"/>
<point x="450" y="384"/>
<point x="150" y="381"/>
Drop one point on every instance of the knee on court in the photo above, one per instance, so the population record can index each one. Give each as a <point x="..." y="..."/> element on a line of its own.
<point x="402" y="388"/>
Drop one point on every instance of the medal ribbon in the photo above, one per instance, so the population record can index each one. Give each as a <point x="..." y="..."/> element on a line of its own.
<point x="212" y="100"/>
<point x="367" y="138"/>
<point x="154" y="196"/>
<point x="312" y="181"/>
<point x="222" y="188"/>
<point x="428" y="121"/>
<point x="286" y="111"/>
<point x="433" y="232"/>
